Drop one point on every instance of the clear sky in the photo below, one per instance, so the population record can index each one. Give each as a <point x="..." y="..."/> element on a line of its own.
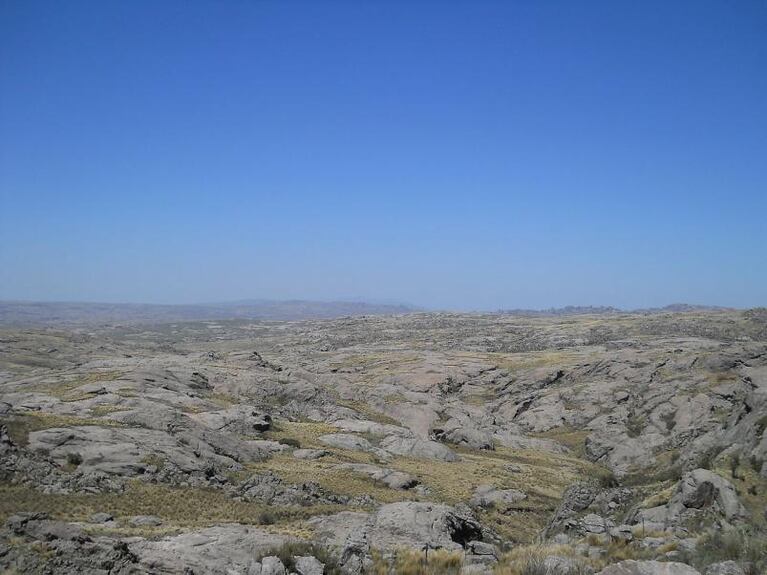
<point x="470" y="154"/>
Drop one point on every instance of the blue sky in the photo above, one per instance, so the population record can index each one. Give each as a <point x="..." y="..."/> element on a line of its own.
<point x="470" y="155"/>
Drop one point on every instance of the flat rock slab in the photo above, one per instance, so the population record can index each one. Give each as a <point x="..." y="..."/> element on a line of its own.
<point x="346" y="441"/>
<point x="389" y="477"/>
<point x="310" y="453"/>
<point x="418" y="448"/>
<point x="217" y="550"/>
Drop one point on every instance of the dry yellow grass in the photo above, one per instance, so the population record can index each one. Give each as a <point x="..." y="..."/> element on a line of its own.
<point x="544" y="476"/>
<point x="573" y="439"/>
<point x="188" y="507"/>
<point x="68" y="388"/>
<point x="520" y="559"/>
<point x="413" y="562"/>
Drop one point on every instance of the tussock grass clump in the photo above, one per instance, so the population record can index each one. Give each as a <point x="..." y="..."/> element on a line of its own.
<point x="529" y="560"/>
<point x="746" y="546"/>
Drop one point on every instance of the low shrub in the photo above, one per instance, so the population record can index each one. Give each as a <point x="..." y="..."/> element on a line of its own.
<point x="746" y="546"/>
<point x="74" y="459"/>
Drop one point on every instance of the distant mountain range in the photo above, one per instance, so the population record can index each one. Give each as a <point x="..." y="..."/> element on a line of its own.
<point x="602" y="310"/>
<point x="24" y="313"/>
<point x="70" y="313"/>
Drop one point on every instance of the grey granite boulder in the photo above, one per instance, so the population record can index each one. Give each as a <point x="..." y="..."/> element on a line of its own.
<point x="632" y="567"/>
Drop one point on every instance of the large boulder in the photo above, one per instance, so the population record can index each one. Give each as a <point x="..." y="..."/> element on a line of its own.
<point x="308" y="565"/>
<point x="419" y="448"/>
<point x="700" y="493"/>
<point x="454" y="431"/>
<point x="402" y="524"/>
<point x="415" y="524"/>
<point x="632" y="567"/>
<point x="501" y="499"/>
<point x="703" y="488"/>
<point x="272" y="565"/>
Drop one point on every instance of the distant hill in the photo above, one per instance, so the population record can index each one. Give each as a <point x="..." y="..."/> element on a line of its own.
<point x="604" y="310"/>
<point x="21" y="313"/>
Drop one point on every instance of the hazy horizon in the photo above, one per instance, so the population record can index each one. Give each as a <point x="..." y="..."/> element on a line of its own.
<point x="472" y="156"/>
<point x="383" y="303"/>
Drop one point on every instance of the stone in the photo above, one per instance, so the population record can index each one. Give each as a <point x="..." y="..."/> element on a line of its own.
<point x="593" y="523"/>
<point x="622" y="532"/>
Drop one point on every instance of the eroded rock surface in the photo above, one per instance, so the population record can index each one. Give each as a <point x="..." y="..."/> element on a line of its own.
<point x="198" y="446"/>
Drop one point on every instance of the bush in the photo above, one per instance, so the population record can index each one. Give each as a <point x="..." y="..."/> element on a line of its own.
<point x="74" y="459"/>
<point x="608" y="480"/>
<point x="635" y="424"/>
<point x="761" y="425"/>
<point x="708" y="458"/>
<point x="746" y="546"/>
<point x="734" y="464"/>
<point x="266" y="518"/>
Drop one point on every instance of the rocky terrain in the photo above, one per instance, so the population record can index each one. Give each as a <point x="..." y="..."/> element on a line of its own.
<point x="612" y="443"/>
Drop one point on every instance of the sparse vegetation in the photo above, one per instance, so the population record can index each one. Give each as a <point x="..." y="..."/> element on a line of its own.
<point x="635" y="425"/>
<point x="182" y="507"/>
<point x="417" y="562"/>
<point x="746" y="546"/>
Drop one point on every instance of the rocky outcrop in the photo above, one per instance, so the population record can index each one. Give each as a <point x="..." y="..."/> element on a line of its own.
<point x="699" y="494"/>
<point x="238" y="419"/>
<point x="403" y="524"/>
